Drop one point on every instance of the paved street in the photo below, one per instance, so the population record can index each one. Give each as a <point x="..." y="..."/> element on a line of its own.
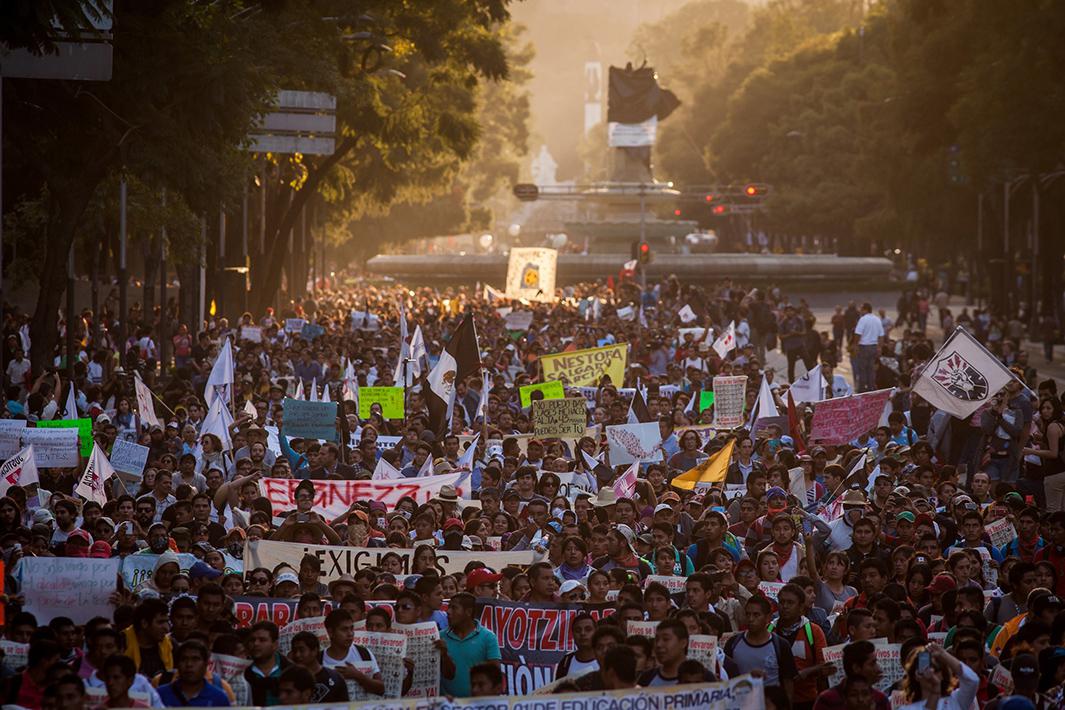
<point x="823" y="305"/>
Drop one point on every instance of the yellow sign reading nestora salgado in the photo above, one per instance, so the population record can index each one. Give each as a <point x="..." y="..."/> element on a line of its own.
<point x="584" y="368"/>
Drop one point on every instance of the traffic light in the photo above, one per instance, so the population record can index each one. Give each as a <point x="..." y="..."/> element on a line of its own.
<point x="751" y="191"/>
<point x="645" y="253"/>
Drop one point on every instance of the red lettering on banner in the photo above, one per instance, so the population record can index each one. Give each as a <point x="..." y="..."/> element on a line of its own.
<point x="535" y="617"/>
<point x="549" y="642"/>
<point x="243" y="613"/>
<point x="514" y="631"/>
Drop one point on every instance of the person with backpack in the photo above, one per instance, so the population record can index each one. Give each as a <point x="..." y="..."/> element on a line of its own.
<point x="761" y="652"/>
<point x="582" y="659"/>
<point x="807" y="641"/>
<point x="352" y="661"/>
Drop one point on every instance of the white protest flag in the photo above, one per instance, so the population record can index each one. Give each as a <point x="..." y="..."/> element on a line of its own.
<point x="482" y="403"/>
<point x="625" y="486"/>
<point x="418" y="353"/>
<point x="687" y="315"/>
<point x="962" y="376"/>
<point x="314" y="390"/>
<point x="727" y="342"/>
<point x="491" y="295"/>
<point x="97" y="473"/>
<point x="385" y="471"/>
<point x="217" y="422"/>
<point x="145" y="407"/>
<point x="351" y="385"/>
<point x="299" y="390"/>
<point x="220" y="381"/>
<point x="70" y="411"/>
<point x="465" y="462"/>
<point x="19" y="470"/>
<point x="404" y="348"/>
<point x="765" y="406"/>
<point x="459" y="359"/>
<point x="249" y="409"/>
<point x="809" y="388"/>
<point x="325" y="393"/>
<point x="427" y="467"/>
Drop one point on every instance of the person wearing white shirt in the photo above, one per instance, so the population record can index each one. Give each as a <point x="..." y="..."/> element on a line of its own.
<point x="929" y="672"/>
<point x="870" y="335"/>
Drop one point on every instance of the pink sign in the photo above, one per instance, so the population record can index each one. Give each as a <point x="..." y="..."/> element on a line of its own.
<point x="839" y="421"/>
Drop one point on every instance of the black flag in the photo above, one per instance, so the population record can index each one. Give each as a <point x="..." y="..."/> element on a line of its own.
<point x="638" y="412"/>
<point x="459" y="359"/>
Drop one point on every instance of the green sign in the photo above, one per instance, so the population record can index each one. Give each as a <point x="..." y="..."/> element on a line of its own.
<point x="705" y="400"/>
<point x="390" y="399"/>
<point x="551" y="390"/>
<point x="84" y="427"/>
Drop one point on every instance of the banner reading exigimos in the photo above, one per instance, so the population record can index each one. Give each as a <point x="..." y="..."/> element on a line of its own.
<point x="581" y="368"/>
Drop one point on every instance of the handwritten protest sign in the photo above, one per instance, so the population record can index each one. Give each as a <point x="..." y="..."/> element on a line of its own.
<point x="10" y="431"/>
<point x="15" y="654"/>
<point x="1001" y="532"/>
<point x="634" y="442"/>
<point x="127" y="457"/>
<point x="53" y="447"/>
<point x="251" y="333"/>
<point x="332" y="498"/>
<point x="337" y="561"/>
<point x="551" y="390"/>
<point x="562" y="418"/>
<point x="137" y="569"/>
<point x="75" y="587"/>
<point x="310" y="420"/>
<point x="83" y="426"/>
<point x="294" y="325"/>
<point x="838" y="421"/>
<point x="311" y="331"/>
<point x="586" y="367"/>
<point x="641" y="628"/>
<point x="729" y="400"/>
<point x="389" y="649"/>
<point x="671" y="582"/>
<point x="390" y="399"/>
<point x="421" y="648"/>
<point x="518" y="320"/>
<point x="313" y="624"/>
<point x="770" y="589"/>
<point x="834" y="655"/>
<point x="573" y="483"/>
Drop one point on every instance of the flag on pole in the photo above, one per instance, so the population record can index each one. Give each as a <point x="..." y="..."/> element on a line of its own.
<point x="145" y="406"/>
<point x="299" y="390"/>
<point x="764" y="406"/>
<point x="726" y="343"/>
<point x="638" y="411"/>
<point x="810" y="387"/>
<point x="217" y="422"/>
<point x="385" y="471"/>
<point x="427" y="467"/>
<point x="459" y="359"/>
<point x="96" y="475"/>
<point x="250" y="410"/>
<point x="482" y="403"/>
<point x="220" y="381"/>
<point x="19" y="470"/>
<point x="625" y="486"/>
<point x="351" y="385"/>
<point x="325" y="393"/>
<point x="596" y="467"/>
<point x="465" y="462"/>
<point x="693" y="402"/>
<point x="711" y="471"/>
<point x="418" y="353"/>
<point x="314" y="390"/>
<point x="404" y="347"/>
<point x="687" y="315"/>
<point x="70" y="411"/>
<point x="962" y="377"/>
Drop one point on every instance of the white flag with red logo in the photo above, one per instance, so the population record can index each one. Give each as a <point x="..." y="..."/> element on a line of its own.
<point x="962" y="376"/>
<point x="96" y="474"/>
<point x="19" y="470"/>
<point x="726" y="343"/>
<point x="625" y="486"/>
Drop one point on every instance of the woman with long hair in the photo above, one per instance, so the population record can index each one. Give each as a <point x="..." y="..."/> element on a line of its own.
<point x="1050" y="453"/>
<point x="830" y="580"/>
<point x="690" y="452"/>
<point x="936" y="680"/>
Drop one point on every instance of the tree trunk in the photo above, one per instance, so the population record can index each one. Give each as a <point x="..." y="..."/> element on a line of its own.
<point x="65" y="214"/>
<point x="188" y="272"/>
<point x="277" y="235"/>
<point x="151" y="270"/>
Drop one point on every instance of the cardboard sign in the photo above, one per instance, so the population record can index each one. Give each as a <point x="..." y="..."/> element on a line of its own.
<point x="551" y="390"/>
<point x="634" y="442"/>
<point x="54" y="448"/>
<point x="251" y="333"/>
<point x="586" y="367"/>
<point x="84" y="427"/>
<point x="310" y="420"/>
<point x="127" y="457"/>
<point x="390" y="399"/>
<point x="79" y="588"/>
<point x="729" y="400"/>
<point x="561" y="418"/>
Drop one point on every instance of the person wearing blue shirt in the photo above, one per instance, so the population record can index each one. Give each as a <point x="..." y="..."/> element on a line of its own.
<point x="190" y="687"/>
<point x="463" y="645"/>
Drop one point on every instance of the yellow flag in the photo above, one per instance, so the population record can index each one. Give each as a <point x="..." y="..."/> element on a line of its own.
<point x="713" y="471"/>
